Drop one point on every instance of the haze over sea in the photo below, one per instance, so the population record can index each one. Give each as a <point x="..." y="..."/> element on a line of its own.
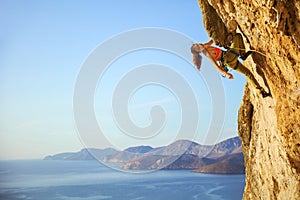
<point x="90" y="180"/>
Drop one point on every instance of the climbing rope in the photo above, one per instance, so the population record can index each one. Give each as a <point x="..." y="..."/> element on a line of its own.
<point x="252" y="50"/>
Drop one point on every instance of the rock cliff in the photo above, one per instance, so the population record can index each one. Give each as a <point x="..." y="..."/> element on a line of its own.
<point x="269" y="127"/>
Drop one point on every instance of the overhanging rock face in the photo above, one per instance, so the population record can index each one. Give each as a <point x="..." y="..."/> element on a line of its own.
<point x="269" y="127"/>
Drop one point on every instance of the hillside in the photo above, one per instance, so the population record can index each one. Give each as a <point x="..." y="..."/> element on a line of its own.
<point x="232" y="164"/>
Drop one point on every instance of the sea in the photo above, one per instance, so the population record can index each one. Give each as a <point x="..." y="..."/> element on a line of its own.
<point x="91" y="180"/>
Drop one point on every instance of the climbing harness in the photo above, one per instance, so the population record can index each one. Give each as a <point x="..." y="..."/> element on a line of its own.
<point x="230" y="50"/>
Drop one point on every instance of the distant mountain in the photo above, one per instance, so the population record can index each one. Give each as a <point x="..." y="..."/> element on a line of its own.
<point x="139" y="149"/>
<point x="122" y="156"/>
<point x="172" y="156"/>
<point x="60" y="156"/>
<point x="105" y="155"/>
<point x="84" y="154"/>
<point x="189" y="161"/>
<point x="230" y="164"/>
<point x="184" y="154"/>
<point x="226" y="147"/>
<point x="148" y="162"/>
<point x="182" y="147"/>
<point x="224" y="157"/>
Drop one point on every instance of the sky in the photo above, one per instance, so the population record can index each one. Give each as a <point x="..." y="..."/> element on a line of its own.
<point x="44" y="46"/>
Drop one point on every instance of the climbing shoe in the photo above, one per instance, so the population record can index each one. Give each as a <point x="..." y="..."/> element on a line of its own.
<point x="265" y="94"/>
<point x="229" y="39"/>
<point x="245" y="56"/>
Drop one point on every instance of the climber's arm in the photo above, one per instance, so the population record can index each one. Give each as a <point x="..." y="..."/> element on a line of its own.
<point x="209" y="43"/>
<point x="220" y="69"/>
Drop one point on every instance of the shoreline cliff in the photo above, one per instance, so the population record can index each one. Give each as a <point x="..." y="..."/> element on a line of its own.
<point x="269" y="127"/>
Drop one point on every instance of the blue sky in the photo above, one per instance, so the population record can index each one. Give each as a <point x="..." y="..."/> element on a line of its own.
<point x="43" y="45"/>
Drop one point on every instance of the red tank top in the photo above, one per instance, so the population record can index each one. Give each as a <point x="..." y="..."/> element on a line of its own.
<point x="218" y="53"/>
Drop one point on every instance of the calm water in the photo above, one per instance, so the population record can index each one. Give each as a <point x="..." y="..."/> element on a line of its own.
<point x="89" y="180"/>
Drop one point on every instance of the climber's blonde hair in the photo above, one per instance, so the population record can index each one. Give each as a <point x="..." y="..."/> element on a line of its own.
<point x="197" y="58"/>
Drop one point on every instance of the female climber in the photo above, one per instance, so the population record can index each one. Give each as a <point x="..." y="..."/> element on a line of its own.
<point x="226" y="58"/>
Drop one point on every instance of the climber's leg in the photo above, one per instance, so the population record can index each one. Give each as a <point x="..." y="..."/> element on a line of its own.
<point x="238" y="45"/>
<point x="242" y="69"/>
<point x="231" y="60"/>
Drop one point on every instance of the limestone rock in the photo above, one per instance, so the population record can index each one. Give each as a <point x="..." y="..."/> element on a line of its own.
<point x="269" y="127"/>
<point x="213" y="23"/>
